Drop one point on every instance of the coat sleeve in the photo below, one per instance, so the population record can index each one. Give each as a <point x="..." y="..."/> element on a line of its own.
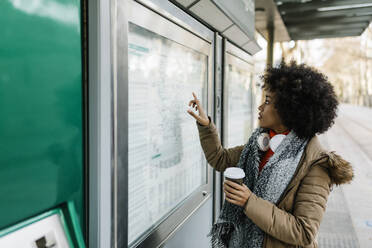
<point x="301" y="227"/>
<point x="218" y="157"/>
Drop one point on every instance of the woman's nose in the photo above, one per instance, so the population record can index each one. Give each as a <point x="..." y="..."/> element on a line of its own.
<point x="260" y="107"/>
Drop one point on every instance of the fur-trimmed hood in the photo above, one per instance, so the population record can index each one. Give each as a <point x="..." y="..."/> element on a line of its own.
<point x="340" y="171"/>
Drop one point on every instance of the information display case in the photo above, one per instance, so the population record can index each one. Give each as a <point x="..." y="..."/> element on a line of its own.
<point x="168" y="176"/>
<point x="238" y="97"/>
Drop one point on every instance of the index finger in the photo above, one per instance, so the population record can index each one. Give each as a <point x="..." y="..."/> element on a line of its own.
<point x="194" y="95"/>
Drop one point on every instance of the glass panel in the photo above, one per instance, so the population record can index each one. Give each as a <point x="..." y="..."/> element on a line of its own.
<point x="166" y="163"/>
<point x="238" y="81"/>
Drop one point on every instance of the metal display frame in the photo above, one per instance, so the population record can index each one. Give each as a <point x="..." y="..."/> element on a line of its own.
<point x="238" y="56"/>
<point x="100" y="122"/>
<point x="218" y="91"/>
<point x="120" y="124"/>
<point x="167" y="16"/>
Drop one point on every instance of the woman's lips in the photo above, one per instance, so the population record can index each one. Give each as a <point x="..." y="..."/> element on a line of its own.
<point x="259" y="116"/>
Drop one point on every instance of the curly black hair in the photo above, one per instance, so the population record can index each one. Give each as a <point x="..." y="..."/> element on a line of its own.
<point x="303" y="97"/>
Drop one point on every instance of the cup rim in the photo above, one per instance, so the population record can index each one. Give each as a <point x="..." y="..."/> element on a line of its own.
<point x="234" y="173"/>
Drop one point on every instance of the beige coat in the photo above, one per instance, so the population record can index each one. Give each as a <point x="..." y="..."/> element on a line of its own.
<point x="295" y="220"/>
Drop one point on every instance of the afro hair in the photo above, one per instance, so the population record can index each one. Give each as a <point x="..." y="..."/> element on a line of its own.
<point x="303" y="97"/>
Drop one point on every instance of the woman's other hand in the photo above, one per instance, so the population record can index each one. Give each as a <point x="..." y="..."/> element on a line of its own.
<point x="202" y="118"/>
<point x="235" y="193"/>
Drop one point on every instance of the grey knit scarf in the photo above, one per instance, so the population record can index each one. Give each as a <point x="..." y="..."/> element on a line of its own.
<point x="233" y="228"/>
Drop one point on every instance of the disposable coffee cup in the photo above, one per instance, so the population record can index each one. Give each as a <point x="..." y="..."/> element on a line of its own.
<point x="234" y="174"/>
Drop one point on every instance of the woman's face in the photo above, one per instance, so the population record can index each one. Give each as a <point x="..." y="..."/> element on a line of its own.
<point x="268" y="116"/>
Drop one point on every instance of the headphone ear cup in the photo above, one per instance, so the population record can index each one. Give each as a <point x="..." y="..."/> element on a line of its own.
<point x="275" y="141"/>
<point x="263" y="141"/>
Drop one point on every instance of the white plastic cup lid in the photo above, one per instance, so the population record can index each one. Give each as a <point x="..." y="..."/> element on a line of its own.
<point x="234" y="173"/>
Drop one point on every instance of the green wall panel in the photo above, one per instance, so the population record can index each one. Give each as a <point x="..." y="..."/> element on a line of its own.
<point x="40" y="107"/>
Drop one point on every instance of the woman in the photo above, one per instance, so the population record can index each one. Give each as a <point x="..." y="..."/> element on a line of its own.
<point x="285" y="191"/>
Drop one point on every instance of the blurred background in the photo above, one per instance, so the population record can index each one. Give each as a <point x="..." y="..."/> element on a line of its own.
<point x="346" y="61"/>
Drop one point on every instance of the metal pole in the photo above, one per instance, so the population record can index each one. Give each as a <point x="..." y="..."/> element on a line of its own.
<point x="270" y="45"/>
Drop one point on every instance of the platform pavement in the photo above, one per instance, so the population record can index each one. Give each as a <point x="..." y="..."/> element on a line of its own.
<point x="348" y="218"/>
